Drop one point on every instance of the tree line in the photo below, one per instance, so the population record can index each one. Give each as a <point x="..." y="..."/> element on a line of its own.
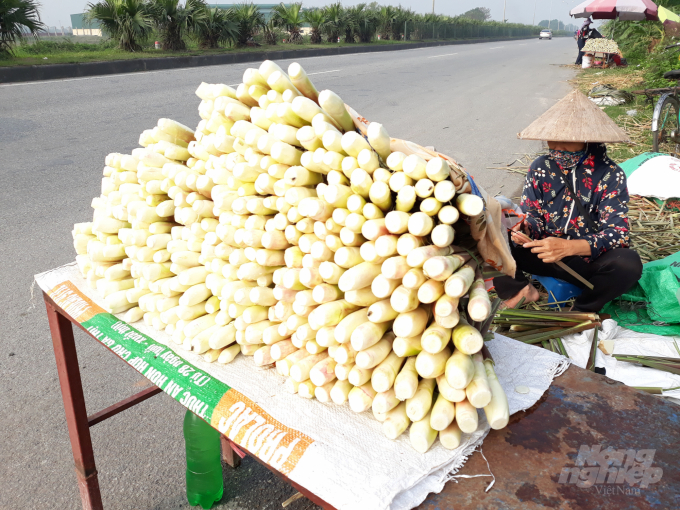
<point x="132" y="23"/>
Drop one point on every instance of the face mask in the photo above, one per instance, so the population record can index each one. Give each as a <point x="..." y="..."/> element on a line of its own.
<point x="565" y="159"/>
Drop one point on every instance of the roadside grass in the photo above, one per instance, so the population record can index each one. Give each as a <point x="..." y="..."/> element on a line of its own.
<point x="637" y="125"/>
<point x="71" y="51"/>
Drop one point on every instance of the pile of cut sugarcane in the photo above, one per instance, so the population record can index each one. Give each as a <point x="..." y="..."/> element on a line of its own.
<point x="543" y="327"/>
<point x="278" y="231"/>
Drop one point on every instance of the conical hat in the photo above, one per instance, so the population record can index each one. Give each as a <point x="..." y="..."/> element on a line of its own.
<point x="574" y="118"/>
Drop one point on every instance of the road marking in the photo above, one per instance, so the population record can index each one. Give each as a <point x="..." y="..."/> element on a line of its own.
<point x="324" y="72"/>
<point x="445" y="55"/>
<point x="497" y="47"/>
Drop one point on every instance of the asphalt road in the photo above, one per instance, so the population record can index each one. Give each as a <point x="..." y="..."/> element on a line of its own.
<point x="468" y="101"/>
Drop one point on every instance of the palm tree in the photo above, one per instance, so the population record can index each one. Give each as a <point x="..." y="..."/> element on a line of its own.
<point x="249" y="19"/>
<point x="386" y="17"/>
<point x="290" y="18"/>
<point x="270" y="33"/>
<point x="129" y="21"/>
<point x="216" y="27"/>
<point x="317" y="21"/>
<point x="173" y="20"/>
<point x="401" y="17"/>
<point x="17" y="19"/>
<point x="365" y="23"/>
<point x="336" y="21"/>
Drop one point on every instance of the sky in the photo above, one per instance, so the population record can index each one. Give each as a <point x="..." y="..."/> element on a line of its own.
<point x="57" y="12"/>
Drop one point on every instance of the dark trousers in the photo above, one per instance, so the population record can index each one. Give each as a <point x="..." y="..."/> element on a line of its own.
<point x="612" y="274"/>
<point x="581" y="43"/>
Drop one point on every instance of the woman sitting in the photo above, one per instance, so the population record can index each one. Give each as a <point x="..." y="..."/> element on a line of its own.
<point x="575" y="201"/>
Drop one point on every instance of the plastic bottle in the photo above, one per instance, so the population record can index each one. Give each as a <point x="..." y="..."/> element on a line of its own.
<point x="204" y="465"/>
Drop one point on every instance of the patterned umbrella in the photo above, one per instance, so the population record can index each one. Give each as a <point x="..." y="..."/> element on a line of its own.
<point x="612" y="9"/>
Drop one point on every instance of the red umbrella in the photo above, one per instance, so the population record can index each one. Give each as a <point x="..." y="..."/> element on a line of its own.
<point x="612" y="9"/>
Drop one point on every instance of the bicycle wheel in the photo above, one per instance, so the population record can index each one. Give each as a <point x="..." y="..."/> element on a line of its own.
<point x="665" y="125"/>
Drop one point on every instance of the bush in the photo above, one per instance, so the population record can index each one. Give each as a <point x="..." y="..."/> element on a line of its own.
<point x="52" y="47"/>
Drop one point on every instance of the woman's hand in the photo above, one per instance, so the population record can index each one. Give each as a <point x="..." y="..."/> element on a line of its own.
<point x="552" y="249"/>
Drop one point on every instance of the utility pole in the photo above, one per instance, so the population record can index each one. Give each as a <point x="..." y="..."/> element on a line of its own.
<point x="534" y="21"/>
<point x="432" y="6"/>
<point x="550" y="17"/>
<point x="504" y="2"/>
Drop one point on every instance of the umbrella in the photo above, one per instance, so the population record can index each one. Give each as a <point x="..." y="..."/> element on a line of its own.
<point x="612" y="9"/>
<point x="665" y="14"/>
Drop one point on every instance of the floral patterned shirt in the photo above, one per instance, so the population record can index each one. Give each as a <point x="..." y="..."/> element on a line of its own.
<point x="601" y="187"/>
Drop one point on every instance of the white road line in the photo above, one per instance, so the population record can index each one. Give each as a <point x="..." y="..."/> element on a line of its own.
<point x="497" y="47"/>
<point x="445" y="55"/>
<point x="324" y="72"/>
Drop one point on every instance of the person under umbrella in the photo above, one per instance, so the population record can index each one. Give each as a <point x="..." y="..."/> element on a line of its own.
<point x="582" y="37"/>
<point x="575" y="200"/>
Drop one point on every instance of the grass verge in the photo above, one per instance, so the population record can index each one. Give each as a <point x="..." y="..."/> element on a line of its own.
<point x="82" y="53"/>
<point x="637" y="124"/>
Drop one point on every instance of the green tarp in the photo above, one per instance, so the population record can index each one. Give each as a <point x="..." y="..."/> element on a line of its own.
<point x="651" y="306"/>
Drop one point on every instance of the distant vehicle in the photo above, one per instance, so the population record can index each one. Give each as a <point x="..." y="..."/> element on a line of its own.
<point x="545" y="34"/>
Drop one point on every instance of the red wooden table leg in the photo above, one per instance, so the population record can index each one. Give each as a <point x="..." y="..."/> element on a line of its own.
<point x="228" y="454"/>
<point x="74" y="407"/>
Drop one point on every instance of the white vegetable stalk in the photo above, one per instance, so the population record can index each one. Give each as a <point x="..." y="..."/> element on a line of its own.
<point x="422" y="435"/>
<point x="358" y="376"/>
<point x="430" y="291"/>
<point x="407" y="243"/>
<point x="361" y="398"/>
<point x="369" y="334"/>
<point x="459" y="370"/>
<point x="414" y="166"/>
<point x="384" y="375"/>
<point x="374" y="355"/>
<point x="467" y="339"/>
<point x="404" y="300"/>
<point x="470" y="205"/>
<point x="457" y="284"/>
<point x="435" y="338"/>
<point x="432" y="365"/>
<point x="340" y="391"/>
<point x="419" y="405"/>
<point x="381" y="311"/>
<point x="414" y="278"/>
<point x="383" y="287"/>
<point x="478" y="391"/>
<point x="344" y="330"/>
<point x="412" y="323"/>
<point x="407" y="346"/>
<point x="451" y="436"/>
<point x="451" y="394"/>
<point x="299" y="78"/>
<point x="379" y="139"/>
<point x="323" y="372"/>
<point x="440" y="268"/>
<point x="479" y="306"/>
<point x="335" y="108"/>
<point x="497" y="411"/>
<point x="466" y="417"/>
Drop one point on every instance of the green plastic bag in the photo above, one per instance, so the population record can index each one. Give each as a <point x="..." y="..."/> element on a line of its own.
<point x="651" y="306"/>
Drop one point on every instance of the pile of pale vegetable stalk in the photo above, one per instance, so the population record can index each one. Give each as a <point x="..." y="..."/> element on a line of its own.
<point x="277" y="231"/>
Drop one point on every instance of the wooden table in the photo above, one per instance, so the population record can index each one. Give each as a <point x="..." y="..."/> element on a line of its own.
<point x="580" y="408"/>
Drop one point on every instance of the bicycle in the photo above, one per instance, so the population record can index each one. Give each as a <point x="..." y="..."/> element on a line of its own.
<point x="666" y="118"/>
